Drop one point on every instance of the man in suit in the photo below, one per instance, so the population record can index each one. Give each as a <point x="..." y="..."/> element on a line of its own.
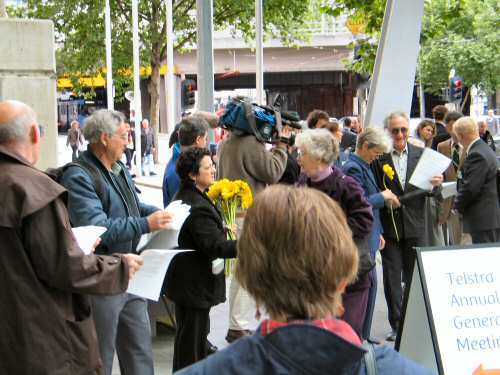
<point x="439" y="112"/>
<point x="448" y="217"/>
<point x="403" y="227"/>
<point x="477" y="198"/>
<point x="348" y="136"/>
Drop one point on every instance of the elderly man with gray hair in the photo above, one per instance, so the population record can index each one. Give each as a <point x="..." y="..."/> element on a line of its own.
<point x="102" y="193"/>
<point x="46" y="324"/>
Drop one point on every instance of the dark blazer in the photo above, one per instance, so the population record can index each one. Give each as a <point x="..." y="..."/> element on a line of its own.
<point x="360" y="170"/>
<point x="189" y="280"/>
<point x="441" y="135"/>
<point x="409" y="217"/>
<point x="477" y="198"/>
<point x="348" y="140"/>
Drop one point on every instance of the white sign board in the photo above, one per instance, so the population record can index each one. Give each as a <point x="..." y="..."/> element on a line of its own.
<point x="460" y="311"/>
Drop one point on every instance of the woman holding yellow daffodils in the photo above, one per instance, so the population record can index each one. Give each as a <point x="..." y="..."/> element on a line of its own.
<point x="195" y="280"/>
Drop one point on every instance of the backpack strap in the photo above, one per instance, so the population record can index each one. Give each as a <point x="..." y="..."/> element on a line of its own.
<point x="369" y="358"/>
<point x="96" y="178"/>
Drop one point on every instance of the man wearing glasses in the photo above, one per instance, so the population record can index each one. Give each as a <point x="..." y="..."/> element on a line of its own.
<point x="47" y="325"/>
<point x="404" y="227"/>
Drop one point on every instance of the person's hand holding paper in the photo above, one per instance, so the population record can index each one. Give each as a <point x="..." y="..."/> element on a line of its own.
<point x="429" y="170"/>
<point x="179" y="213"/>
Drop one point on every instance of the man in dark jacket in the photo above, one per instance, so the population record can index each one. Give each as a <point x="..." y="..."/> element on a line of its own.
<point x="485" y="135"/>
<point x="403" y="226"/>
<point x="477" y="198"/>
<point x="349" y="138"/>
<point x="46" y="325"/>
<point x="439" y="112"/>
<point x="147" y="148"/>
<point x="109" y="199"/>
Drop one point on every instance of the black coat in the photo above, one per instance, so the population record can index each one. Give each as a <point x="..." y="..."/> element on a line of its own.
<point x="349" y="139"/>
<point x="189" y="280"/>
<point x="477" y="198"/>
<point x="409" y="218"/>
<point x="441" y="135"/>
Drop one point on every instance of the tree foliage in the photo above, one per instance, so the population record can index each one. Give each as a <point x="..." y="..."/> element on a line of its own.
<point x="80" y="30"/>
<point x="458" y="34"/>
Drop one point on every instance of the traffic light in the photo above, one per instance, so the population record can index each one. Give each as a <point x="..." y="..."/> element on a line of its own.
<point x="188" y="88"/>
<point x="456" y="88"/>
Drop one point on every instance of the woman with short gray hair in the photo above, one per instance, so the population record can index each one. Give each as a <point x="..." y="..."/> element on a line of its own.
<point x="371" y="143"/>
<point x="318" y="150"/>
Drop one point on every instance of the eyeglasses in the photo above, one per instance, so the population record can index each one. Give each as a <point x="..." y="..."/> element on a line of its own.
<point x="396" y="131"/>
<point x="41" y="129"/>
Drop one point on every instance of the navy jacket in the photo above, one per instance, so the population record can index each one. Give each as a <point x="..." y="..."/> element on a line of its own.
<point x="300" y="349"/>
<point x="171" y="180"/>
<point x="360" y="170"/>
<point x="85" y="207"/>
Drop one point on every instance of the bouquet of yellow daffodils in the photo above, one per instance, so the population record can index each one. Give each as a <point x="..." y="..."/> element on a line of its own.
<point x="230" y="196"/>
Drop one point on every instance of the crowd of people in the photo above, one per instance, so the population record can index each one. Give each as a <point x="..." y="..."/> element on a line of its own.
<point x="324" y="207"/>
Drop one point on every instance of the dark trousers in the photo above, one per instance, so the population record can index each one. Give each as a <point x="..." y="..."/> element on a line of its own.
<point x="193" y="326"/>
<point x="486" y="236"/>
<point x="75" y="153"/>
<point x="370" y="307"/>
<point x="354" y="301"/>
<point x="398" y="258"/>
<point x="128" y="156"/>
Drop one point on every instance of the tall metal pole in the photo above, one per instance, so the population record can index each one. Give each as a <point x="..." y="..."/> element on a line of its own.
<point x="3" y="11"/>
<point x="205" y="55"/>
<point x="109" y="63"/>
<point x="259" y="52"/>
<point x="169" y="92"/>
<point x="137" y="85"/>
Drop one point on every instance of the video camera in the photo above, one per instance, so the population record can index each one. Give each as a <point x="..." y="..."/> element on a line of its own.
<point x="262" y="121"/>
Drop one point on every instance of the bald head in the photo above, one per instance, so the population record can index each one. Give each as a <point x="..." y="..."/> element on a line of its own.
<point x="16" y="120"/>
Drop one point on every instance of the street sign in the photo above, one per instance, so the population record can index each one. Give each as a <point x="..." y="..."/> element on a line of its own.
<point x="452" y="319"/>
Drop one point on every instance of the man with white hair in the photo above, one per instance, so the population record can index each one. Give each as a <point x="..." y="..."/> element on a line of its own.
<point x="477" y="198"/>
<point x="102" y="193"/>
<point x="492" y="122"/>
<point x="46" y="325"/>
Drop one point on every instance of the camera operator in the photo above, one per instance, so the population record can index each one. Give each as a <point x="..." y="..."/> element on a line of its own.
<point x="242" y="156"/>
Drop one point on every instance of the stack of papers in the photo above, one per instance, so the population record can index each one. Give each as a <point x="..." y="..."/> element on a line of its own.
<point x="180" y="213"/>
<point x="430" y="164"/>
<point x="147" y="282"/>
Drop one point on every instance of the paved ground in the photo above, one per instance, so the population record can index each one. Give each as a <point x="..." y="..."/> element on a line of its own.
<point x="163" y="341"/>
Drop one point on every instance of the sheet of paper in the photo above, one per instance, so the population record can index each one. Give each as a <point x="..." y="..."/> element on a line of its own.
<point x="147" y="282"/>
<point x="449" y="189"/>
<point x="431" y="164"/>
<point x="180" y="212"/>
<point x="87" y="236"/>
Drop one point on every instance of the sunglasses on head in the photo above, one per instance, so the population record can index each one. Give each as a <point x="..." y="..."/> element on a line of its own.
<point x="396" y="131"/>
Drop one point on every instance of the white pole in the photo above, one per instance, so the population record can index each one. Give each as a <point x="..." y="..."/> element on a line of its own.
<point x="3" y="11"/>
<point x="109" y="63"/>
<point x="170" y="94"/>
<point x="137" y="86"/>
<point x="259" y="53"/>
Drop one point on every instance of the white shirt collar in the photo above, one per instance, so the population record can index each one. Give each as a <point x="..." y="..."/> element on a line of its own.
<point x="474" y="141"/>
<point x="405" y="150"/>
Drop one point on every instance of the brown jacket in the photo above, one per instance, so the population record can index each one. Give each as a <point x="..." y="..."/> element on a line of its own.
<point x="245" y="158"/>
<point x="46" y="325"/>
<point x="449" y="175"/>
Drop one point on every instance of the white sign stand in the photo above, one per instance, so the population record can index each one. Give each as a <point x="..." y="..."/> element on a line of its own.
<point x="452" y="320"/>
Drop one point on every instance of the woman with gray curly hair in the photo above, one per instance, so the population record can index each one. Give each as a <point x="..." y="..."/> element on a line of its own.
<point x="318" y="151"/>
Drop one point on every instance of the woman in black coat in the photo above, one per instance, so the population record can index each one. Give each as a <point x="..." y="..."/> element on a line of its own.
<point x="190" y="282"/>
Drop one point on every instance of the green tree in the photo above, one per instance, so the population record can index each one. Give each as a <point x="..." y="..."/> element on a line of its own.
<point x="458" y="34"/>
<point x="79" y="26"/>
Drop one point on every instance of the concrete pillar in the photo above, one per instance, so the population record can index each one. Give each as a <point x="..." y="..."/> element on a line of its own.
<point x="394" y="72"/>
<point x="28" y="74"/>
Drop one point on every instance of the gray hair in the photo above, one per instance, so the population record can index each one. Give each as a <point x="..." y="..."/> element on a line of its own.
<point x="100" y="122"/>
<point x="17" y="129"/>
<point x="375" y="138"/>
<point x="465" y="125"/>
<point x="319" y="144"/>
<point x="391" y="116"/>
